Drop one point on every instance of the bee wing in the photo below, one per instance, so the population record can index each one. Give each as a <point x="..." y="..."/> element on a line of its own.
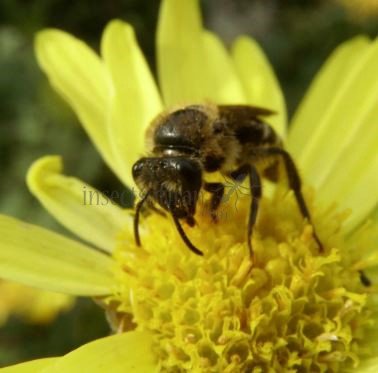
<point x="245" y="111"/>
<point x="244" y="122"/>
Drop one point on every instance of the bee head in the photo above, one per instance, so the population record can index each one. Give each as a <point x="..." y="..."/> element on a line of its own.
<point x="172" y="182"/>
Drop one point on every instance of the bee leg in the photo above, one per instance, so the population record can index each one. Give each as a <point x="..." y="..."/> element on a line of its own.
<point x="256" y="190"/>
<point x="217" y="191"/>
<point x="185" y="237"/>
<point x="155" y="209"/>
<point x="295" y="185"/>
<point x="190" y="221"/>
<point x="364" y="279"/>
<point x="138" y="208"/>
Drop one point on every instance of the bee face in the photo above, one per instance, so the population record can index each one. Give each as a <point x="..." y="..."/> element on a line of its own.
<point x="172" y="182"/>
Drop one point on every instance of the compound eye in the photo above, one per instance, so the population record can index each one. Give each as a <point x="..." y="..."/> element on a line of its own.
<point x="188" y="168"/>
<point x="190" y="174"/>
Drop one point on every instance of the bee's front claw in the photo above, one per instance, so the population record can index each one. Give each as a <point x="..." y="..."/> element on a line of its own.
<point x="190" y="221"/>
<point x="214" y="216"/>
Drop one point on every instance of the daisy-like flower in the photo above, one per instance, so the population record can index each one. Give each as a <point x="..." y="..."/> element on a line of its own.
<point x="290" y="308"/>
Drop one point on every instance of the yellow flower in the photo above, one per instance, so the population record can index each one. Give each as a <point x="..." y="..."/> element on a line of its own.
<point x="360" y="10"/>
<point x="288" y="309"/>
<point x="31" y="304"/>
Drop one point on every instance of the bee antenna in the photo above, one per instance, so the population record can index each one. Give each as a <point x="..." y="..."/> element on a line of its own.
<point x="138" y="208"/>
<point x="185" y="237"/>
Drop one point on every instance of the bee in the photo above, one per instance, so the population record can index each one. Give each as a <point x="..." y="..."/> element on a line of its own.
<point x="195" y="140"/>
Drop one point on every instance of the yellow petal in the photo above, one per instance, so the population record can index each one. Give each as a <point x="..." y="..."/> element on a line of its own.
<point x="79" y="207"/>
<point x="180" y="55"/>
<point x="136" y="100"/>
<point x="354" y="179"/>
<point x="193" y="65"/>
<point x="354" y="186"/>
<point x="367" y="366"/>
<point x="226" y="87"/>
<point x="80" y="77"/>
<point x="334" y="124"/>
<point x="37" y="257"/>
<point x="259" y="81"/>
<point x="322" y="92"/>
<point x="33" y="366"/>
<point x="340" y="159"/>
<point x="120" y="353"/>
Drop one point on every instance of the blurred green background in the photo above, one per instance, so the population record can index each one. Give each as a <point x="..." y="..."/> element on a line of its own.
<point x="297" y="35"/>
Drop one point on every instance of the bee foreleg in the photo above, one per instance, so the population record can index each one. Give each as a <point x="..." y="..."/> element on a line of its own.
<point x="138" y="208"/>
<point x="295" y="184"/>
<point x="217" y="192"/>
<point x="152" y="207"/>
<point x="256" y="191"/>
<point x="185" y="237"/>
<point x="364" y="279"/>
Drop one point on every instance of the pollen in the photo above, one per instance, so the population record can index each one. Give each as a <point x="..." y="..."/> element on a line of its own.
<point x="289" y="308"/>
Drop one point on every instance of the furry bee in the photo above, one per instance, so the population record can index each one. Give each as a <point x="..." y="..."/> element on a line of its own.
<point x="194" y="140"/>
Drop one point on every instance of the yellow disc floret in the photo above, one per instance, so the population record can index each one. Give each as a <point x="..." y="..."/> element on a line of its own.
<point x="288" y="308"/>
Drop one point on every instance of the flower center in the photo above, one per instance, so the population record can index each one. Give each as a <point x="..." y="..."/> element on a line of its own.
<point x="289" y="308"/>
